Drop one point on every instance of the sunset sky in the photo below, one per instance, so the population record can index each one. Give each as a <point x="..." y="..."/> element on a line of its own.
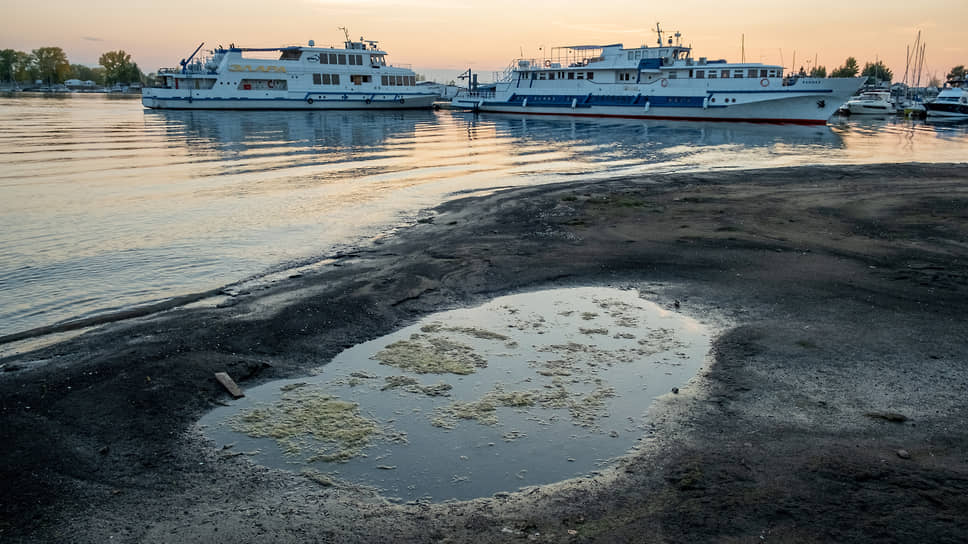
<point x="442" y="39"/>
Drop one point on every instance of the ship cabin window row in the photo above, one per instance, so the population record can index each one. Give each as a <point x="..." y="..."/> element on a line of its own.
<point x="398" y="81"/>
<point x="548" y="76"/>
<point x="325" y="79"/>
<point x="735" y="73"/>
<point x="351" y="60"/>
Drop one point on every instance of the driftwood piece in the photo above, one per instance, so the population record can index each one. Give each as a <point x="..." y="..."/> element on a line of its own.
<point x="229" y="385"/>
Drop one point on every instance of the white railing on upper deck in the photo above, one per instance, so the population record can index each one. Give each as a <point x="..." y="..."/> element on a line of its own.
<point x="464" y="93"/>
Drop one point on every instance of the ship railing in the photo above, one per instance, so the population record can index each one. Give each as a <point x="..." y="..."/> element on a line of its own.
<point x="555" y="62"/>
<point x="464" y="93"/>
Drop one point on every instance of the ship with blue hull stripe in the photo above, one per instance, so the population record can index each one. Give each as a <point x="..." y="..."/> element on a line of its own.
<point x="658" y="82"/>
<point x="356" y="76"/>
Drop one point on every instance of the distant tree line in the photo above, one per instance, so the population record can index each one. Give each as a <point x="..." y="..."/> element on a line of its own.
<point x="50" y="65"/>
<point x="876" y="71"/>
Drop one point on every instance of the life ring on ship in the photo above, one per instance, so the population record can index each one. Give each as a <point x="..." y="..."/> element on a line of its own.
<point x="547" y="64"/>
<point x="367" y="101"/>
<point x="309" y="101"/>
<point x="270" y="84"/>
<point x="664" y="82"/>
<point x="402" y="101"/>
<point x="764" y="82"/>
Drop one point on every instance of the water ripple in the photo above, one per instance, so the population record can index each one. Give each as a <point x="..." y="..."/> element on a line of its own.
<point x="104" y="205"/>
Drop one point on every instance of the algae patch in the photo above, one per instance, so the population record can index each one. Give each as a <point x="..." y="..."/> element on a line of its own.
<point x="431" y="355"/>
<point x="310" y="424"/>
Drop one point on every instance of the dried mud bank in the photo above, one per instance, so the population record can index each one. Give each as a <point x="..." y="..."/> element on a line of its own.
<point x="833" y="408"/>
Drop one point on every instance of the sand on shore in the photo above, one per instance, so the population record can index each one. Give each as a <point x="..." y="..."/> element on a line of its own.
<point x="833" y="407"/>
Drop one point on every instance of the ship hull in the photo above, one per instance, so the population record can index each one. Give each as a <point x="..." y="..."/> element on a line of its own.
<point x="813" y="104"/>
<point x="199" y="100"/>
<point x="951" y="111"/>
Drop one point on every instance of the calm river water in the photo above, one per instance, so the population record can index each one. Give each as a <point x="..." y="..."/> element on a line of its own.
<point x="105" y="205"/>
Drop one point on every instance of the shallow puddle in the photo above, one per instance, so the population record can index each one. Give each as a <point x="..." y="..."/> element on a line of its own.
<point x="525" y="390"/>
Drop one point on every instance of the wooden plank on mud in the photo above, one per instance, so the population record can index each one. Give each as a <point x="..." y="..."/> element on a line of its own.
<point x="229" y="385"/>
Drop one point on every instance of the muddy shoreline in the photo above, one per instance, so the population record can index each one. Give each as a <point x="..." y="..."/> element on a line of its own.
<point x="833" y="407"/>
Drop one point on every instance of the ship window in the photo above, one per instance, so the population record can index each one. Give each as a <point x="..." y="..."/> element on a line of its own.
<point x="764" y="72"/>
<point x="724" y="73"/>
<point x="580" y="75"/>
<point x="673" y="75"/>
<point x="357" y="79"/>
<point x="751" y="72"/>
<point x="290" y="54"/>
<point x="712" y="74"/>
<point x="399" y="80"/>
<point x="542" y="76"/>
<point x="551" y="75"/>
<point x="737" y="73"/>
<point x="700" y="74"/>
<point x="631" y="55"/>
<point x="571" y="75"/>
<point x="383" y="80"/>
<point x="412" y="79"/>
<point x="591" y="75"/>
<point x="317" y="79"/>
<point x="332" y="58"/>
<point x="335" y="79"/>
<point x="341" y="58"/>
<point x="638" y="55"/>
<point x="325" y="79"/>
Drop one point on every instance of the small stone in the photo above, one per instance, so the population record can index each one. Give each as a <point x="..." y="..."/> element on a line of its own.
<point x="903" y="454"/>
<point x="675" y="390"/>
<point x="104" y="450"/>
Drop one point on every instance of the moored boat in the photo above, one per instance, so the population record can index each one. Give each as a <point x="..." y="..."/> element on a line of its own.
<point x="951" y="102"/>
<point x="871" y="103"/>
<point x="296" y="77"/>
<point x="660" y="82"/>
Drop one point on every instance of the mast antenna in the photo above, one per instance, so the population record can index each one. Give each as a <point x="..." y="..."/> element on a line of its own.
<point x="345" y="33"/>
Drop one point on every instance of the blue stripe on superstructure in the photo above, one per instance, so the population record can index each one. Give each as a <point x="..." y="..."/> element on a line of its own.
<point x="583" y="101"/>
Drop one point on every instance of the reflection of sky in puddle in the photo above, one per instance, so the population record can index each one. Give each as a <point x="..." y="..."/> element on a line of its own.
<point x="587" y="362"/>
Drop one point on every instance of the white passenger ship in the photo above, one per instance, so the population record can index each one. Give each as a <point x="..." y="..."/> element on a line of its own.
<point x="662" y="82"/>
<point x="311" y="78"/>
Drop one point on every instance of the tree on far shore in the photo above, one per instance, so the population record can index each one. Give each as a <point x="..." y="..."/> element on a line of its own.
<point x="957" y="73"/>
<point x="877" y="71"/>
<point x="818" y="71"/>
<point x="51" y="64"/>
<point x="849" y="69"/>
<point x="118" y="68"/>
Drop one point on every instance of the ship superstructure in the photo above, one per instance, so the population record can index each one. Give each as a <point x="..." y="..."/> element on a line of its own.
<point x="356" y="76"/>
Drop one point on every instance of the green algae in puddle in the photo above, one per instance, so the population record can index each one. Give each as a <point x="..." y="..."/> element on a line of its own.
<point x="310" y="424"/>
<point x="524" y="390"/>
<point x="431" y="355"/>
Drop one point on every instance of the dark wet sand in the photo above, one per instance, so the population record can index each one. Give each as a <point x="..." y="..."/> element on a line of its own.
<point x="841" y="294"/>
